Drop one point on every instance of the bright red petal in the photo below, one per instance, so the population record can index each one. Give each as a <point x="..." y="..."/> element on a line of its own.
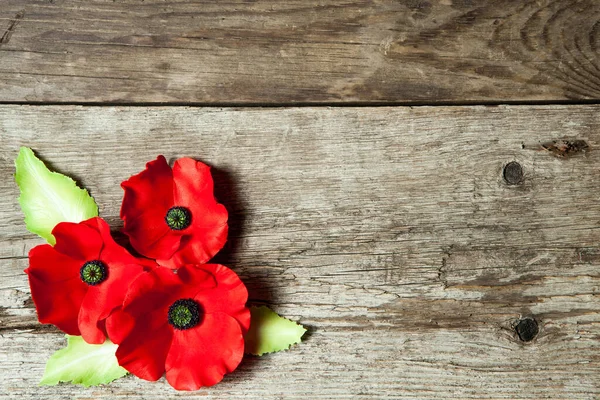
<point x="142" y="327"/>
<point x="78" y="240"/>
<point x="100" y="300"/>
<point x="56" y="289"/>
<point x="193" y="182"/>
<point x="201" y="356"/>
<point x="194" y="189"/>
<point x="198" y="247"/>
<point x="154" y="289"/>
<point x="103" y="230"/>
<point x="151" y="188"/>
<point x="194" y="278"/>
<point x="151" y="236"/>
<point x="228" y="296"/>
<point x="144" y="350"/>
<point x="119" y="325"/>
<point x="148" y="197"/>
<point x="48" y="265"/>
<point x="58" y="304"/>
<point x="88" y="319"/>
<point x="112" y="251"/>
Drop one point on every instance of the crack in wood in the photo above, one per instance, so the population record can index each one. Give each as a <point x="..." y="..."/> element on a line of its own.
<point x="11" y="28"/>
<point x="442" y="273"/>
<point x="565" y="148"/>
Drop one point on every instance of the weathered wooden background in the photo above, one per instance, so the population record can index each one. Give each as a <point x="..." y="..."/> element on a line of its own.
<point x="434" y="252"/>
<point x="288" y="51"/>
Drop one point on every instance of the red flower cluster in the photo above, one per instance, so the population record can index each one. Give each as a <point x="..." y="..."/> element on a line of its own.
<point x="170" y="313"/>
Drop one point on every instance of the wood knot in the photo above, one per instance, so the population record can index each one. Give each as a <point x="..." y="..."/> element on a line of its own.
<point x="527" y="328"/>
<point x="513" y="173"/>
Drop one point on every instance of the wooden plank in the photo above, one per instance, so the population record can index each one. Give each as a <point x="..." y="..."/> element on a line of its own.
<point x="304" y="51"/>
<point x="390" y="232"/>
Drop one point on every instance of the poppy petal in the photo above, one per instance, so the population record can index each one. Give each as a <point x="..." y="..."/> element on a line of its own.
<point x="199" y="247"/>
<point x="194" y="190"/>
<point x="119" y="325"/>
<point x="193" y="182"/>
<point x="88" y="319"/>
<point x="48" y="265"/>
<point x="56" y="288"/>
<point x="147" y="302"/>
<point x="111" y="251"/>
<point x="196" y="359"/>
<point x="58" y="304"/>
<point x="228" y="296"/>
<point x="152" y="290"/>
<point x="78" y="240"/>
<point x="144" y="351"/>
<point x="151" y="236"/>
<point x="194" y="278"/>
<point x="141" y="189"/>
<point x="148" y="197"/>
<point x="100" y="300"/>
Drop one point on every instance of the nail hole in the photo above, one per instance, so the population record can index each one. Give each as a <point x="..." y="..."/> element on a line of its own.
<point x="527" y="329"/>
<point x="513" y="173"/>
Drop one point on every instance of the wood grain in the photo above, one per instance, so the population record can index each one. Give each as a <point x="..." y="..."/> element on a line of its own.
<point x="299" y="51"/>
<point x="389" y="232"/>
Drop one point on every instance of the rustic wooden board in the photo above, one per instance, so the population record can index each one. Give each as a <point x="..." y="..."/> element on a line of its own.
<point x="390" y="232"/>
<point x="305" y="51"/>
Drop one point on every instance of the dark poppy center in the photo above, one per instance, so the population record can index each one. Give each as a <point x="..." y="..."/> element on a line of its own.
<point x="93" y="272"/>
<point x="184" y="314"/>
<point x="178" y="218"/>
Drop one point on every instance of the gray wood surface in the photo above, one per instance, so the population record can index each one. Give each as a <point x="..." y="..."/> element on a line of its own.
<point x="391" y="233"/>
<point x="289" y="51"/>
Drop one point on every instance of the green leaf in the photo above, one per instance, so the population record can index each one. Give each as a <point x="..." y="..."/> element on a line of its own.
<point x="48" y="198"/>
<point x="270" y="333"/>
<point x="83" y="363"/>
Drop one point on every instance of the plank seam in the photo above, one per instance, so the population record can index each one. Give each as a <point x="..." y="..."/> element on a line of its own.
<point x="307" y="104"/>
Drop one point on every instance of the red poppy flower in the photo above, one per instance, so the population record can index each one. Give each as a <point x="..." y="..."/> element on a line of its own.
<point x="189" y="324"/>
<point x="77" y="283"/>
<point x="171" y="215"/>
